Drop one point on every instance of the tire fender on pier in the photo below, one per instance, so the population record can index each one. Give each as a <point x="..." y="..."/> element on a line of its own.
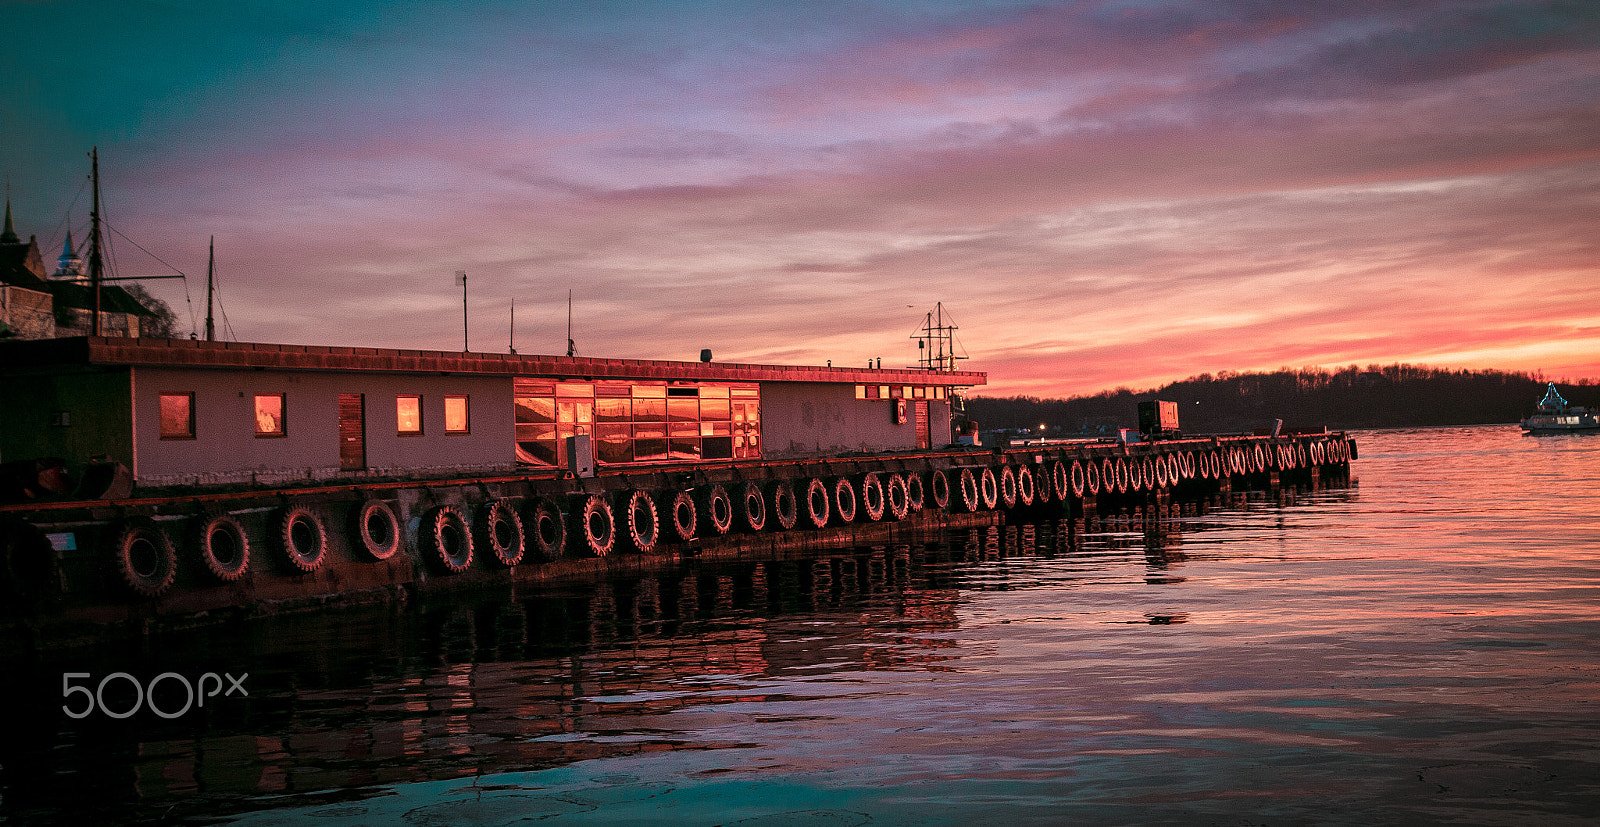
<point x="377" y="529"/>
<point x="1026" y="491"/>
<point x="223" y="548"/>
<point x="685" y="516"/>
<point x="939" y="488"/>
<point x="916" y="493"/>
<point x="644" y="522"/>
<point x="817" y="502"/>
<point x="303" y="539"/>
<point x="872" y="500"/>
<point x="971" y="497"/>
<point x="785" y="508"/>
<point x="1118" y="477"/>
<point x="145" y="558"/>
<point x="449" y="540"/>
<point x="1008" y="486"/>
<point x="844" y="500"/>
<point x="1163" y="478"/>
<point x="716" y="510"/>
<point x="1065" y="478"/>
<point x="753" y="507"/>
<point x="502" y="532"/>
<point x="989" y="489"/>
<point x="597" y="525"/>
<point x="895" y="495"/>
<point x="1091" y="478"/>
<point x="547" y="528"/>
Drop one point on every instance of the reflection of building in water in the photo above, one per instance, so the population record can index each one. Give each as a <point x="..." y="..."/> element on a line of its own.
<point x="590" y="671"/>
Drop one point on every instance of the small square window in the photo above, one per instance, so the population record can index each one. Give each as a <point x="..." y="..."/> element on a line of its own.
<point x="408" y="415"/>
<point x="177" y="416"/>
<point x="269" y="414"/>
<point x="861" y="391"/>
<point x="456" y="419"/>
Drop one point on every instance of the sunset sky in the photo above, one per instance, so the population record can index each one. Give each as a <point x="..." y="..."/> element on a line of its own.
<point x="1102" y="194"/>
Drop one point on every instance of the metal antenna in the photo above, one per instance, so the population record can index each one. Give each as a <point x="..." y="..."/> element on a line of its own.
<point x="461" y="279"/>
<point x="572" y="346"/>
<point x="512" y="346"/>
<point x="211" y="289"/>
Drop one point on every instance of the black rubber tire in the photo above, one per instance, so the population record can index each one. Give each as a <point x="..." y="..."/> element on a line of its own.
<point x="753" y="508"/>
<point x="895" y="495"/>
<point x="500" y="529"/>
<point x="817" y="502"/>
<point x="844" y="500"/>
<point x="1008" y="486"/>
<point x="377" y="529"/>
<point x="547" y="529"/>
<point x="145" y="558"/>
<point x="989" y="488"/>
<point x="1026" y="490"/>
<point x="222" y="547"/>
<point x="302" y="539"/>
<point x="597" y="525"/>
<point x="971" y="496"/>
<point x="716" y="510"/>
<point x="785" y="508"/>
<point x="1079" y="479"/>
<point x="916" y="492"/>
<point x="685" y="516"/>
<point x="939" y="487"/>
<point x="872" y="498"/>
<point x="448" y="539"/>
<point x="644" y="522"/>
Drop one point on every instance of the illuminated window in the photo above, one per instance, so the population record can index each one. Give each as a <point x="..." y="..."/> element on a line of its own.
<point x="177" y="416"/>
<point x="455" y="415"/>
<point x="269" y="414"/>
<point x="921" y="392"/>
<point x="883" y="392"/>
<point x="408" y="415"/>
<point x="861" y="391"/>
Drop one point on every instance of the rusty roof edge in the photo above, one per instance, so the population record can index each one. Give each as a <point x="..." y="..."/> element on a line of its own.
<point x="190" y="353"/>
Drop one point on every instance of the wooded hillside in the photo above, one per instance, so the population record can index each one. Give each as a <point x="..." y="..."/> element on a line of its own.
<point x="1354" y="397"/>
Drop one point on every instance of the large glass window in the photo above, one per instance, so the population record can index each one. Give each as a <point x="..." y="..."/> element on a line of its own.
<point x="636" y="421"/>
<point x="177" y="416"/>
<point x="456" y="415"/>
<point x="269" y="415"/>
<point x="408" y="415"/>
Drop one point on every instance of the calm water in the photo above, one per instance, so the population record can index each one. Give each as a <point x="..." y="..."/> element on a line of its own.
<point x="1420" y="647"/>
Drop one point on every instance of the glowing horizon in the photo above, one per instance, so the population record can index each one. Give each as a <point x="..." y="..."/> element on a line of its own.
<point x="1102" y="194"/>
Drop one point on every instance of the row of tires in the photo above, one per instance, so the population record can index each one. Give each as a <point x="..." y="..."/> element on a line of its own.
<point x="640" y="521"/>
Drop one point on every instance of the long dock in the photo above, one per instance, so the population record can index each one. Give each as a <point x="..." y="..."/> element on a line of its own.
<point x="173" y="558"/>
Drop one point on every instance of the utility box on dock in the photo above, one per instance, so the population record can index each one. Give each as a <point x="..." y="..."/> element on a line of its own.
<point x="1158" y="418"/>
<point x="580" y="455"/>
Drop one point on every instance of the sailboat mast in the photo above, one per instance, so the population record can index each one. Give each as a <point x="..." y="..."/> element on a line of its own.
<point x="211" y="289"/>
<point x="96" y="261"/>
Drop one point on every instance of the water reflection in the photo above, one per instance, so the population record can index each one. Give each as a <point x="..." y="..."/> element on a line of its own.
<point x="349" y="704"/>
<point x="1286" y="646"/>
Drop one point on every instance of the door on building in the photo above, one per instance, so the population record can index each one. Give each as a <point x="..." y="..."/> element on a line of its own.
<point x="573" y="417"/>
<point x="352" y="432"/>
<point x="920" y="408"/>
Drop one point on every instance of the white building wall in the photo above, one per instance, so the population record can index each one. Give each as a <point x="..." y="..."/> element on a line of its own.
<point x="226" y="449"/>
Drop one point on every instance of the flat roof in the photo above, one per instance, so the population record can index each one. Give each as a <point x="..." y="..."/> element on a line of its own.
<point x="189" y="353"/>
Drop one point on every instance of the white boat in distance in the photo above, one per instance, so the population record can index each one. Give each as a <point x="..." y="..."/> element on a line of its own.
<point x="1556" y="416"/>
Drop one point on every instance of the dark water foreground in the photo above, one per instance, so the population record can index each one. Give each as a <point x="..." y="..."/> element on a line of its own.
<point x="1421" y="647"/>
